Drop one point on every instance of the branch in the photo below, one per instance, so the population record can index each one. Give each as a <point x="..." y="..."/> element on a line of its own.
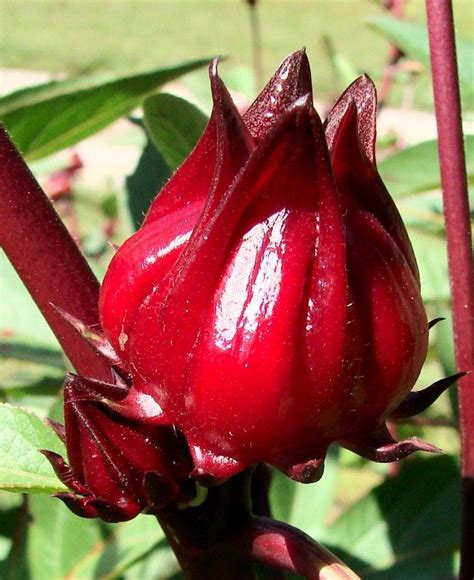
<point x="47" y="259"/>
<point x="283" y="546"/>
<point x="458" y="233"/>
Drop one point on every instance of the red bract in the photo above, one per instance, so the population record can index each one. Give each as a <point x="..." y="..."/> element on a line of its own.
<point x="117" y="467"/>
<point x="270" y="303"/>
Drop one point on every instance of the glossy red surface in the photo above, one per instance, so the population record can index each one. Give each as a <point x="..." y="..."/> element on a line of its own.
<point x="117" y="467"/>
<point x="270" y="304"/>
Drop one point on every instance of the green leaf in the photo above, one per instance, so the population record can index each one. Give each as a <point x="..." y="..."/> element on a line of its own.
<point x="174" y="126"/>
<point x="37" y="398"/>
<point x="445" y="351"/>
<point x="416" y="169"/>
<point x="150" y="174"/>
<point x="343" y="69"/>
<point x="445" y="342"/>
<point x="27" y="349"/>
<point x="19" y="315"/>
<point x="423" y="210"/>
<point x="412" y="38"/>
<point x="428" y="568"/>
<point x="17" y="376"/>
<point x="22" y="467"/>
<point x="159" y="563"/>
<point x="306" y="506"/>
<point x="58" y="539"/>
<point x="127" y="543"/>
<point x="407" y="520"/>
<point x="50" y="117"/>
<point x="13" y="540"/>
<point x="430" y="251"/>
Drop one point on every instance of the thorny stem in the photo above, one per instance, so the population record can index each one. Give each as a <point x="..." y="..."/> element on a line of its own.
<point x="47" y="259"/>
<point x="461" y="274"/>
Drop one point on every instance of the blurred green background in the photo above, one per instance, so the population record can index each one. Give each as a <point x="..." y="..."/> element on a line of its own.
<point x="83" y="36"/>
<point x="398" y="528"/>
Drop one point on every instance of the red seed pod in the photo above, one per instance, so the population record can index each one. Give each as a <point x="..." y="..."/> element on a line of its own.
<point x="270" y="304"/>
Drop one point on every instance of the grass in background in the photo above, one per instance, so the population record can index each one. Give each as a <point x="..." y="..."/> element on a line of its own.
<point x="84" y="36"/>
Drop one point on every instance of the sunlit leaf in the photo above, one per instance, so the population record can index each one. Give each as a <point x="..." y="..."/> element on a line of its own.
<point x="411" y="519"/>
<point x="22" y="467"/>
<point x="412" y="38"/>
<point x="174" y="126"/>
<point x="50" y="117"/>
<point x="416" y="169"/>
<point x="58" y="539"/>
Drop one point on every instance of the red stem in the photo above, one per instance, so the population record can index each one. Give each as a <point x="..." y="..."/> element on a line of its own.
<point x="456" y="211"/>
<point x="47" y="259"/>
<point x="285" y="547"/>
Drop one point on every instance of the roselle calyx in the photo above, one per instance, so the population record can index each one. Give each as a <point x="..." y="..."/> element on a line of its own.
<point x="117" y="467"/>
<point x="270" y="304"/>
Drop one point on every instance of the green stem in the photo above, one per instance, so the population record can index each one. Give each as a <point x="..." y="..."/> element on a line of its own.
<point x="255" y="32"/>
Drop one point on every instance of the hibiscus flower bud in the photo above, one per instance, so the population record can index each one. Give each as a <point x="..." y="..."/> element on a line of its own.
<point x="270" y="304"/>
<point x="117" y="467"/>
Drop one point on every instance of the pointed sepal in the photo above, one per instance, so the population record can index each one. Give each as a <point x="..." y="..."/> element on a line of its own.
<point x="58" y="428"/>
<point x="363" y="95"/>
<point x="418" y="401"/>
<point x="307" y="472"/>
<point x="97" y="340"/>
<point x="291" y="81"/>
<point x="81" y="506"/>
<point x="435" y="321"/>
<point x="381" y="447"/>
<point x="211" y="469"/>
<point x="64" y="472"/>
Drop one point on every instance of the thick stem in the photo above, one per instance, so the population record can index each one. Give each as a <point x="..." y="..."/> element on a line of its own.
<point x="200" y="536"/>
<point x="220" y="538"/>
<point x="285" y="547"/>
<point x="47" y="259"/>
<point x="456" y="211"/>
<point x="260" y="489"/>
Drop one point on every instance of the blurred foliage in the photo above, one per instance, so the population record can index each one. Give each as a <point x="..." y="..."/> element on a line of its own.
<point x="47" y="118"/>
<point x="386" y="527"/>
<point x="59" y="36"/>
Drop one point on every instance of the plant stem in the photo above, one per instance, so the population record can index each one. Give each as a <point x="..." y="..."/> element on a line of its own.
<point x="221" y="538"/>
<point x="47" y="259"/>
<point x="255" y="32"/>
<point x="259" y="490"/>
<point x="283" y="546"/>
<point x="199" y="536"/>
<point x="456" y="211"/>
